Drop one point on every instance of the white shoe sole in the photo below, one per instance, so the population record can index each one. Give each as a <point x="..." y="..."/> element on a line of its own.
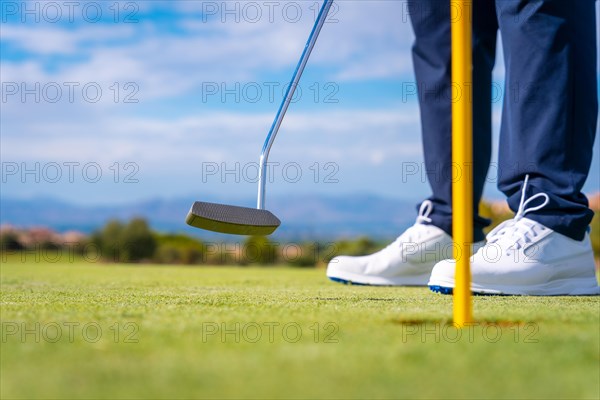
<point x="561" y="287"/>
<point x="357" y="279"/>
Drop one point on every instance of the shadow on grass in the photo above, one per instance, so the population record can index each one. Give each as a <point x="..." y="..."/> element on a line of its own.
<point x="361" y="299"/>
<point x="448" y="322"/>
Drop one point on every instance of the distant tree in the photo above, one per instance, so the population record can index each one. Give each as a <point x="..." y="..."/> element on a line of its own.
<point x="365" y="245"/>
<point x="178" y="249"/>
<point x="125" y="243"/>
<point x="108" y="240"/>
<point x="9" y="241"/>
<point x="167" y="254"/>
<point x="258" y="250"/>
<point x="138" y="241"/>
<point x="48" y="245"/>
<point x="302" y="254"/>
<point x="359" y="247"/>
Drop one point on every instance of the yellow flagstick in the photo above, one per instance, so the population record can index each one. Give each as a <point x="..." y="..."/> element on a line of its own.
<point x="462" y="157"/>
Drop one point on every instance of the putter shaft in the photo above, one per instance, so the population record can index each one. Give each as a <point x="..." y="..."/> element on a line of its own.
<point x="289" y="94"/>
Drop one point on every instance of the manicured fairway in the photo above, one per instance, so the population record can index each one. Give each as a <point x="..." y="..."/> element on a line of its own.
<point x="172" y="332"/>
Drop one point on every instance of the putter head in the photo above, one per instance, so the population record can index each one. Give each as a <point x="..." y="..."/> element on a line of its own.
<point x="232" y="219"/>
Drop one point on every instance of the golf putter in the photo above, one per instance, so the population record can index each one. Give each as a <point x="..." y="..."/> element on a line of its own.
<point x="256" y="221"/>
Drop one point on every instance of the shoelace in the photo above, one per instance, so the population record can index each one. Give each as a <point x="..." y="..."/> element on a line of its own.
<point x="424" y="212"/>
<point x="518" y="232"/>
<point x="413" y="233"/>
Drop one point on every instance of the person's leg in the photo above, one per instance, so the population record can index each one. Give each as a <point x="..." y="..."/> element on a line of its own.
<point x="431" y="57"/>
<point x="548" y="129"/>
<point x="410" y="259"/>
<point x="550" y="107"/>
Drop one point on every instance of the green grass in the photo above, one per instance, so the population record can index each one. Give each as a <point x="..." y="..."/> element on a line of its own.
<point x="372" y="342"/>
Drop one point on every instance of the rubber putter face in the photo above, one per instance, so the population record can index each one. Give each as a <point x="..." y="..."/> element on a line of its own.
<point x="232" y="219"/>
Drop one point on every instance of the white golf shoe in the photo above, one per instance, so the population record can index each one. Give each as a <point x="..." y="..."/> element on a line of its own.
<point x="408" y="261"/>
<point x="523" y="257"/>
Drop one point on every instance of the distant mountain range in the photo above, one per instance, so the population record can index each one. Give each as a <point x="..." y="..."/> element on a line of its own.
<point x="306" y="217"/>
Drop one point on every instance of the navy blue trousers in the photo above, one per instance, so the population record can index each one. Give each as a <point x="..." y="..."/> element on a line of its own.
<point x="549" y="112"/>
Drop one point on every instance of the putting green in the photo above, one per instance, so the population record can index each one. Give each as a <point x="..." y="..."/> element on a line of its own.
<point x="94" y="331"/>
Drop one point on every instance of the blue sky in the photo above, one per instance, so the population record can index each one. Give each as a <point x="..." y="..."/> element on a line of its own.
<point x="111" y="102"/>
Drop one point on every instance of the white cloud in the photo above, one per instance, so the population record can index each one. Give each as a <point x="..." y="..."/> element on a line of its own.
<point x="367" y="42"/>
<point x="51" y="39"/>
<point x="360" y="135"/>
